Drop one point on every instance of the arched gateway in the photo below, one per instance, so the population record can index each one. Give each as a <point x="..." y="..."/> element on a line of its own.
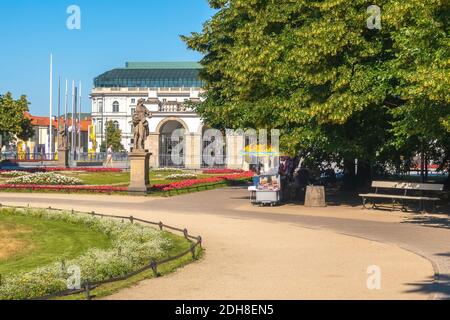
<point x="169" y="90"/>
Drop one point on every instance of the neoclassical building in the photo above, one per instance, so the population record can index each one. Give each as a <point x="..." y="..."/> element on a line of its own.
<point x="169" y="89"/>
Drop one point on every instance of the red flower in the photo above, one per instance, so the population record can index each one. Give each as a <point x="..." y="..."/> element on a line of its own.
<point x="222" y="171"/>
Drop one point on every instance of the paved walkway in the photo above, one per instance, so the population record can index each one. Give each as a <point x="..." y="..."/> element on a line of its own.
<point x="288" y="252"/>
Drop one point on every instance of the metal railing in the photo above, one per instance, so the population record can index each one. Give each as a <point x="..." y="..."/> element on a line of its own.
<point x="88" y="286"/>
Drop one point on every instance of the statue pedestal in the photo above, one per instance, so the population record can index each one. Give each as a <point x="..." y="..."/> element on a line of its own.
<point x="139" y="172"/>
<point x="315" y="197"/>
<point x="63" y="157"/>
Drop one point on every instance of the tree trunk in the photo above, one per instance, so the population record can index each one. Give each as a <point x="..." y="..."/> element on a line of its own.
<point x="353" y="181"/>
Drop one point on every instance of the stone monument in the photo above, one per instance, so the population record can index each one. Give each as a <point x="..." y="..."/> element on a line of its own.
<point x="139" y="156"/>
<point x="315" y="196"/>
<point x="63" y="150"/>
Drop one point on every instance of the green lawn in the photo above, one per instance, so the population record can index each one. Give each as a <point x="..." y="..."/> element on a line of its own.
<point x="123" y="178"/>
<point x="41" y="242"/>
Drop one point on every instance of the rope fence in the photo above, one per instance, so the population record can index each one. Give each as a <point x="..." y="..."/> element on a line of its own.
<point x="87" y="286"/>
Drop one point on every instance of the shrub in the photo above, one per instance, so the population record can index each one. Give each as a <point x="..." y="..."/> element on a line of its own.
<point x="13" y="174"/>
<point x="45" y="178"/>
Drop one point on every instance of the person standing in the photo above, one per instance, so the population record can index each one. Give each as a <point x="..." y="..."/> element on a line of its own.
<point x="109" y="157"/>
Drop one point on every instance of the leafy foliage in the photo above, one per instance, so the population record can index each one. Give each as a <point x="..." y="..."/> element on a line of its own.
<point x="13" y="121"/>
<point x="113" y="137"/>
<point x="333" y="86"/>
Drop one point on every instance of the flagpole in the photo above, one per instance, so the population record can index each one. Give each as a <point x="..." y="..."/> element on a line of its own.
<point x="72" y="123"/>
<point x="59" y="109"/>
<point x="79" y="124"/>
<point x="66" y="102"/>
<point x="51" y="108"/>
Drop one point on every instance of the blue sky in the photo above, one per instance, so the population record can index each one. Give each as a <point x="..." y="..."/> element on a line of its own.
<point x="112" y="32"/>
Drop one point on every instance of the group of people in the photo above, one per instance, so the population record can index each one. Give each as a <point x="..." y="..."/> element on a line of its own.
<point x="294" y="178"/>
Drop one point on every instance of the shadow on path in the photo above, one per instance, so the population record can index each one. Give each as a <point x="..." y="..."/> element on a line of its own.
<point x="430" y="221"/>
<point x="439" y="288"/>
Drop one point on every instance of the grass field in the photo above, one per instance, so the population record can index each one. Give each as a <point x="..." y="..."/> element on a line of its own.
<point x="118" y="178"/>
<point x="27" y="243"/>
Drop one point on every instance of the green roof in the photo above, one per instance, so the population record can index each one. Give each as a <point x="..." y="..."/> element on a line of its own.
<point x="152" y="75"/>
<point x="163" y="65"/>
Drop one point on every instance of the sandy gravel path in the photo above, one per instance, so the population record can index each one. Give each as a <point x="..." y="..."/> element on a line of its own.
<point x="254" y="253"/>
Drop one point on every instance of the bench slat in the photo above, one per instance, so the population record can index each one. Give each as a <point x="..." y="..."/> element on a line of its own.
<point x="389" y="196"/>
<point x="408" y="186"/>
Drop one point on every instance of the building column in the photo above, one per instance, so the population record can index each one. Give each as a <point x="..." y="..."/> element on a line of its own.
<point x="152" y="145"/>
<point x="193" y="157"/>
<point x="235" y="148"/>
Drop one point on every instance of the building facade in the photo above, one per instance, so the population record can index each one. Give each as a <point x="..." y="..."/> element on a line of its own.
<point x="170" y="90"/>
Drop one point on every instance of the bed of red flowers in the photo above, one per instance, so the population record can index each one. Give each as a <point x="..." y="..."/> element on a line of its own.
<point x="61" y="169"/>
<point x="97" y="189"/>
<point x="195" y="182"/>
<point x="222" y="171"/>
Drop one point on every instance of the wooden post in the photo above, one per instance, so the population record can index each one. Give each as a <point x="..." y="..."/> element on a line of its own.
<point x="193" y="252"/>
<point x="154" y="267"/>
<point x="87" y="291"/>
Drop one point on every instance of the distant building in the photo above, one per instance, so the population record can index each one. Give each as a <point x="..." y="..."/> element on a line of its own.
<point x="169" y="89"/>
<point x="38" y="146"/>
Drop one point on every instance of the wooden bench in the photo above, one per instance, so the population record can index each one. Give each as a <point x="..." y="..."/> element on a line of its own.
<point x="405" y="191"/>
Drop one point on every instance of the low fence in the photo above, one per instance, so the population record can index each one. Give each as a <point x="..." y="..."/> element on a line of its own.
<point x="88" y="286"/>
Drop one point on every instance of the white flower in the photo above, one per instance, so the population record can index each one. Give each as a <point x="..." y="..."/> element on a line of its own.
<point x="46" y="178"/>
<point x="182" y="176"/>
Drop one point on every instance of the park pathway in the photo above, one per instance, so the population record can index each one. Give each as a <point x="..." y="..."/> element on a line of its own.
<point x="287" y="252"/>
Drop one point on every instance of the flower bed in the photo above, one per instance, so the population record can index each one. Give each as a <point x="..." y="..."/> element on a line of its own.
<point x="195" y="182"/>
<point x="97" y="189"/>
<point x="61" y="169"/>
<point x="171" y="170"/>
<point x="134" y="246"/>
<point x="45" y="178"/>
<point x="181" y="176"/>
<point x="13" y="174"/>
<point x="222" y="171"/>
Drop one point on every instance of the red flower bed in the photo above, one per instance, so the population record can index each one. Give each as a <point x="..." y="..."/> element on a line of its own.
<point x="101" y="189"/>
<point x="222" y="171"/>
<point x="60" y="169"/>
<point x="194" y="182"/>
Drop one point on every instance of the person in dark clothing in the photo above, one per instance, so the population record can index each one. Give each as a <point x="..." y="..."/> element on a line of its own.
<point x="302" y="178"/>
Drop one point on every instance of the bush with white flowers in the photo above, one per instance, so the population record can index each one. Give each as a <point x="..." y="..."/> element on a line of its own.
<point x="182" y="176"/>
<point x="167" y="170"/>
<point x="45" y="179"/>
<point x="133" y="247"/>
<point x="13" y="174"/>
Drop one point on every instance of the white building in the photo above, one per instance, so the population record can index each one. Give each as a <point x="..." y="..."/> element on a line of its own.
<point x="167" y="87"/>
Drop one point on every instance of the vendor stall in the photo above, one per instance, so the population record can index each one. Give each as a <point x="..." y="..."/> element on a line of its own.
<point x="268" y="190"/>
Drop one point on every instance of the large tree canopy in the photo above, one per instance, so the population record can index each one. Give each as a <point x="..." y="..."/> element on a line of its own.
<point x="316" y="71"/>
<point x="13" y="121"/>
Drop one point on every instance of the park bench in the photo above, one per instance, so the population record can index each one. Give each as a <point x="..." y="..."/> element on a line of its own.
<point x="402" y="192"/>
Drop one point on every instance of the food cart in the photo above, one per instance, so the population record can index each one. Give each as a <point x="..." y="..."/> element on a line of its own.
<point x="268" y="191"/>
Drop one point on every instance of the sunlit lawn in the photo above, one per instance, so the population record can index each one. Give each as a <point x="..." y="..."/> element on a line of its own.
<point x="32" y="242"/>
<point x="123" y="178"/>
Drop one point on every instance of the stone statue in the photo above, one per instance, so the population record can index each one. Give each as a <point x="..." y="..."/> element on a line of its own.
<point x="140" y="122"/>
<point x="62" y="144"/>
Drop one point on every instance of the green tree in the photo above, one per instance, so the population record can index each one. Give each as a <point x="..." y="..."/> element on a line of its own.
<point x="13" y="122"/>
<point x="113" y="137"/>
<point x="332" y="85"/>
